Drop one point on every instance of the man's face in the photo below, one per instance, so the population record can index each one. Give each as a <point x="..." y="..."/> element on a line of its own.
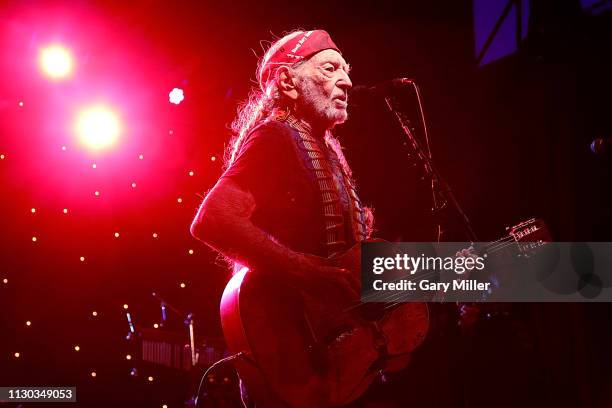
<point x="323" y="83"/>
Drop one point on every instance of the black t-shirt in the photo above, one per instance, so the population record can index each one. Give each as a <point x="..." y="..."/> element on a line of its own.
<point x="288" y="203"/>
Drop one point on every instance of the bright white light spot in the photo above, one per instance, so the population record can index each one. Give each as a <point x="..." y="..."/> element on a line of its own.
<point x="213" y="158"/>
<point x="171" y="132"/>
<point x="155" y="235"/>
<point x="179" y="200"/>
<point x="176" y="96"/>
<point x="28" y="323"/>
<point x="116" y="235"/>
<point x="191" y="173"/>
<point x="2" y="157"/>
<point x="17" y="355"/>
<point x="93" y="374"/>
<point x="141" y="156"/>
<point x="97" y="193"/>
<point x="63" y="148"/>
<point x="94" y="313"/>
<point x="65" y="211"/>
<point x="150" y="378"/>
<point x="98" y="127"/>
<point x="5" y="280"/>
<point x="133" y="185"/>
<point x="128" y="357"/>
<point x="76" y="348"/>
<point x="94" y="165"/>
<point x="190" y="252"/>
<point x="33" y="210"/>
<point x="125" y="306"/>
<point x="82" y="259"/>
<point x="156" y="325"/>
<point x="34" y="239"/>
<point x="56" y="62"/>
<point x="183" y="284"/>
<point x="20" y="104"/>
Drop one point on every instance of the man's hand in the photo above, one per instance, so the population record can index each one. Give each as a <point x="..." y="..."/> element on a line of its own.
<point x="315" y="275"/>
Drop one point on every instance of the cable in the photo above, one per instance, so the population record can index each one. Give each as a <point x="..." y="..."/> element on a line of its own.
<point x="209" y="369"/>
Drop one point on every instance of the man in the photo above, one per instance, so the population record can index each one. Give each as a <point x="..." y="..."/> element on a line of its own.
<point x="286" y="200"/>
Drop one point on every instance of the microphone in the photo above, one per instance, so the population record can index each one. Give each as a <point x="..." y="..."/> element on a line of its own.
<point x="381" y="89"/>
<point x="601" y="146"/>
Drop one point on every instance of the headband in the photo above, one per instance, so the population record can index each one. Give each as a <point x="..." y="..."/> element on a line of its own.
<point x="295" y="50"/>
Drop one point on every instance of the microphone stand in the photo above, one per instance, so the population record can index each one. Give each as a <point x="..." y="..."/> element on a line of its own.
<point x="441" y="191"/>
<point x="189" y="322"/>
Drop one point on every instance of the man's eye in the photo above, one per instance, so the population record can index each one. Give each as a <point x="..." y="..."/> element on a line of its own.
<point x="329" y="68"/>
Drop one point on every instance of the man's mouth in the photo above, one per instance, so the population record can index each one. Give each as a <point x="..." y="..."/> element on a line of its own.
<point x="341" y="100"/>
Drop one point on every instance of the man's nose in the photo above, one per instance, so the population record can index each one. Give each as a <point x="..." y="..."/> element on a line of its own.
<point x="345" y="81"/>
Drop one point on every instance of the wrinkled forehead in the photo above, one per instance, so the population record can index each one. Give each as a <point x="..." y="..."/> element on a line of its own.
<point x="326" y="56"/>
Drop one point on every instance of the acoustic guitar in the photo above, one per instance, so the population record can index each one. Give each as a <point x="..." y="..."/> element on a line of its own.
<point x="300" y="350"/>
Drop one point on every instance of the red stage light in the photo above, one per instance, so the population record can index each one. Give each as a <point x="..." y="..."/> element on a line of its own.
<point x="56" y="62"/>
<point x="98" y="127"/>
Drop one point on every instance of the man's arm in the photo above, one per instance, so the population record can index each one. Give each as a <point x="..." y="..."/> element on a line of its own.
<point x="224" y="223"/>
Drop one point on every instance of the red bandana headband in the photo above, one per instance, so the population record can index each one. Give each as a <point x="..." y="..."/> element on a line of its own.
<point x="297" y="49"/>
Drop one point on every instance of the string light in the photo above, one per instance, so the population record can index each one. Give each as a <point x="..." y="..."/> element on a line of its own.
<point x="20" y="104"/>
<point x="5" y="281"/>
<point x="191" y="173"/>
<point x="65" y="211"/>
<point x="77" y="348"/>
<point x="156" y="326"/>
<point x="28" y="323"/>
<point x="133" y="185"/>
<point x="2" y="157"/>
<point x="182" y="284"/>
<point x="93" y="374"/>
<point x="150" y="378"/>
<point x="155" y="235"/>
<point x="128" y="357"/>
<point x="164" y="406"/>
<point x="63" y="148"/>
<point x="141" y="156"/>
<point x="116" y="235"/>
<point x="97" y="193"/>
<point x="94" y="313"/>
<point x="179" y="200"/>
<point x="93" y="166"/>
<point x="190" y="252"/>
<point x="33" y="210"/>
<point x="171" y="132"/>
<point x="125" y="306"/>
<point x="17" y="354"/>
<point x="34" y="239"/>
<point x="213" y="158"/>
<point x="82" y="259"/>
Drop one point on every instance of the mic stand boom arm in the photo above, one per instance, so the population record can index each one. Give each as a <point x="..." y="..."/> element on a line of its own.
<point x="442" y="193"/>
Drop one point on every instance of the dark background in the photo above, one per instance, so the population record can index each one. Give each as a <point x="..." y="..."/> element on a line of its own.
<point x="510" y="136"/>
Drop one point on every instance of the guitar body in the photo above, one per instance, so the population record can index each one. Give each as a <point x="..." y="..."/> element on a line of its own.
<point x="305" y="351"/>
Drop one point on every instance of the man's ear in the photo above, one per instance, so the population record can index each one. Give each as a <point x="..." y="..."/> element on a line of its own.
<point x="286" y="83"/>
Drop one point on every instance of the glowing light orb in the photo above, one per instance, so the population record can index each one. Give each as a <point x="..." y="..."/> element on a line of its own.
<point x="98" y="127"/>
<point x="125" y="306"/>
<point x="128" y="357"/>
<point x="190" y="252"/>
<point x="65" y="211"/>
<point x="182" y="285"/>
<point x="94" y="313"/>
<point x="150" y="378"/>
<point x="82" y="259"/>
<point x="28" y="323"/>
<point x="176" y="96"/>
<point x="116" y="235"/>
<point x="156" y="326"/>
<point x="155" y="235"/>
<point x="17" y="355"/>
<point x="93" y="374"/>
<point x="191" y="173"/>
<point x="76" y="348"/>
<point x="56" y="62"/>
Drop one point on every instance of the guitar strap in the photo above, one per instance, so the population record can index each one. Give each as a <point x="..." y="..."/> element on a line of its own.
<point x="330" y="178"/>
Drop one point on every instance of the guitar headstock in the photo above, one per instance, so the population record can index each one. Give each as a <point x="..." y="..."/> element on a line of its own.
<point x="530" y="236"/>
